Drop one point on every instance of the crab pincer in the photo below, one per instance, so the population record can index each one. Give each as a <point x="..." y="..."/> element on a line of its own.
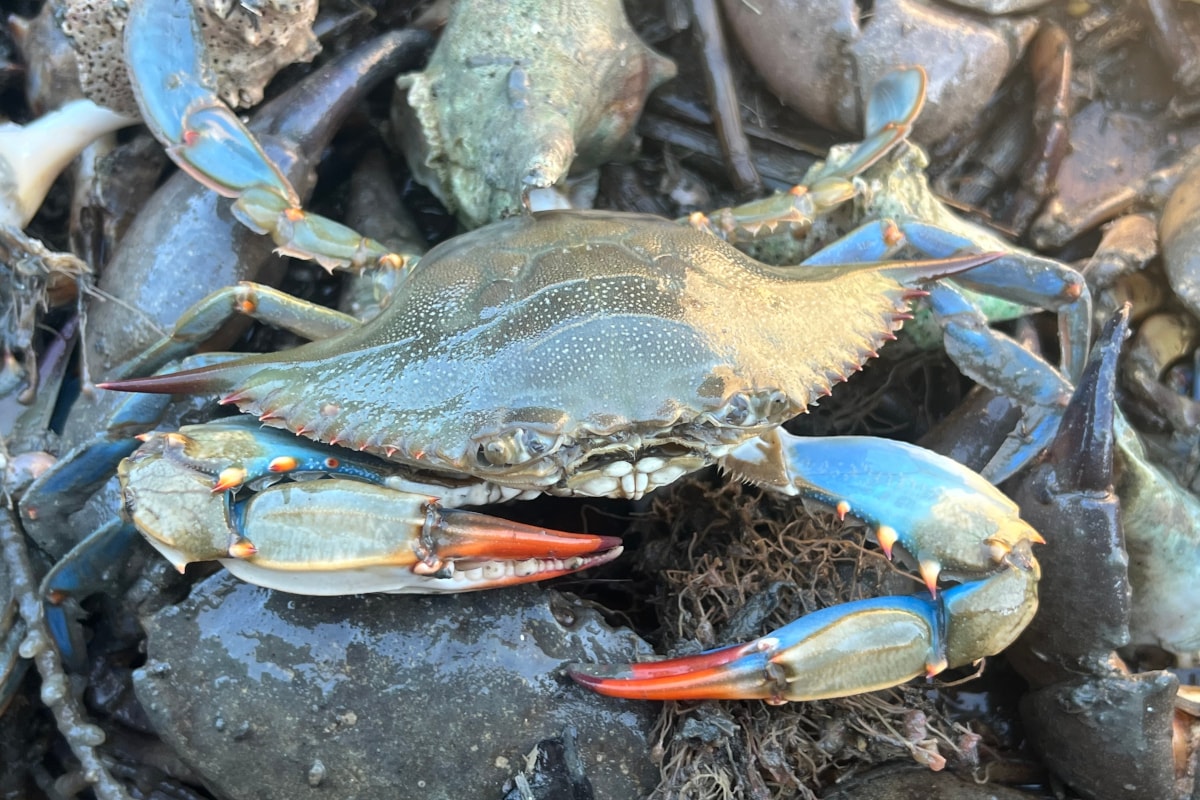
<point x="273" y="507"/>
<point x="403" y="543"/>
<point x="923" y="508"/>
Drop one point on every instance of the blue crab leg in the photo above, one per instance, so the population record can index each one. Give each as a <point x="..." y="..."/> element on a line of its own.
<point x="239" y="452"/>
<point x="935" y="512"/>
<point x="397" y="542"/>
<point x="809" y="659"/>
<point x="88" y="568"/>
<point x="64" y="488"/>
<point x="895" y="102"/>
<point x="209" y="314"/>
<point x="987" y="356"/>
<point x="1026" y="279"/>
<point x="1001" y="364"/>
<point x="208" y="141"/>
<point x="874" y="241"/>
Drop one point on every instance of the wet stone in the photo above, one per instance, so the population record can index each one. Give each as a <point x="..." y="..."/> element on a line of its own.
<point x="1109" y="738"/>
<point x="393" y="696"/>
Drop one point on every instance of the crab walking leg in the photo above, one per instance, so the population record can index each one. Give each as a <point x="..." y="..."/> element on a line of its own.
<point x="1022" y="279"/>
<point x="985" y="355"/>
<point x="947" y="519"/>
<point x="208" y="141"/>
<point x="998" y="362"/>
<point x="342" y="534"/>
<point x="895" y="103"/>
<point x="206" y="317"/>
<point x="87" y="569"/>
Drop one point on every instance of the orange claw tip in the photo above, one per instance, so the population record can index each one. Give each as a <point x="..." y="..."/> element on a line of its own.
<point x="230" y="478"/>
<point x="730" y="673"/>
<point x="710" y="659"/>
<point x="461" y="534"/>
<point x="242" y="548"/>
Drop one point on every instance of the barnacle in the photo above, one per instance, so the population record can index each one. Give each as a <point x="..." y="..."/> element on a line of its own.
<point x="247" y="44"/>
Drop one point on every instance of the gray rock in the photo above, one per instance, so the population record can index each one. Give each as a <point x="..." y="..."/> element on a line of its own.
<point x="269" y="695"/>
<point x="904" y="782"/>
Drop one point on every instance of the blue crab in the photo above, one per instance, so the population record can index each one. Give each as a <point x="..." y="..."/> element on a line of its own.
<point x="502" y="332"/>
<point x="569" y="353"/>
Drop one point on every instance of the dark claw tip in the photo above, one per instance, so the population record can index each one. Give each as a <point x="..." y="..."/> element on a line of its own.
<point x="1083" y="450"/>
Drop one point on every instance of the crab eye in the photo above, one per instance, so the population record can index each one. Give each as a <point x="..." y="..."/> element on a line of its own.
<point x="497" y="452"/>
<point x="513" y="447"/>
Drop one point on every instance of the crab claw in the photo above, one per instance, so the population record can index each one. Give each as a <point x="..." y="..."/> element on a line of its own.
<point x="334" y="535"/>
<point x="925" y="509"/>
<point x="840" y="651"/>
<point x="857" y="647"/>
<point x="393" y="541"/>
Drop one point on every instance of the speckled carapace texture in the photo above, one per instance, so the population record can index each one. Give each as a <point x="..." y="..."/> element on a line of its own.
<point x="591" y="328"/>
